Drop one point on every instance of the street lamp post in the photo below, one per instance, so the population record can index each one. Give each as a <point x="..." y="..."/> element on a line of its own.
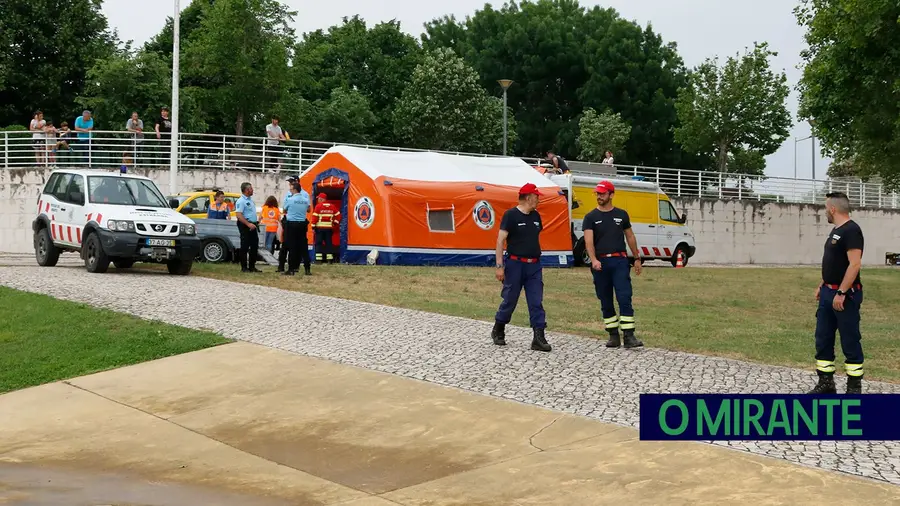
<point x="813" y="139"/>
<point x="505" y="84"/>
<point x="176" y="53"/>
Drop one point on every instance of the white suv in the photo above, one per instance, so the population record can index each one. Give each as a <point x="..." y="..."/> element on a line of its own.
<point x="111" y="217"/>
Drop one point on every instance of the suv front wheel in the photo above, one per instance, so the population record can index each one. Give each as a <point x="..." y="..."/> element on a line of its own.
<point x="95" y="259"/>
<point x="45" y="252"/>
<point x="181" y="267"/>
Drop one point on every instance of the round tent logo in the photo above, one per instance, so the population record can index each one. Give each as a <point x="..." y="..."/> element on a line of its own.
<point x="484" y="215"/>
<point x="364" y="212"/>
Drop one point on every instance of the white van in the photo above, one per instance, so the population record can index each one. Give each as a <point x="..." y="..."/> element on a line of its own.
<point x="113" y="218"/>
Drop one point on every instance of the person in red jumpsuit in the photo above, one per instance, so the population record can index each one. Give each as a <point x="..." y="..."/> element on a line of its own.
<point x="324" y="217"/>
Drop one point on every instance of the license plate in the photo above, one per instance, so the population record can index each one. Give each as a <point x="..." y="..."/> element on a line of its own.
<point x="160" y="242"/>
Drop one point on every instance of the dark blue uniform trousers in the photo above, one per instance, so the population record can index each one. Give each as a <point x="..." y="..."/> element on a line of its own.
<point x="829" y="322"/>
<point x="516" y="276"/>
<point x="615" y="275"/>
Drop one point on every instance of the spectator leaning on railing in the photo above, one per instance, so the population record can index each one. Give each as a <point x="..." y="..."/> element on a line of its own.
<point x="39" y="136"/>
<point x="84" y="124"/>
<point x="135" y="125"/>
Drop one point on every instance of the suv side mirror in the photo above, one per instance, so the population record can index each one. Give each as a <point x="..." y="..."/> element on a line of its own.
<point x="76" y="197"/>
<point x="683" y="219"/>
<point x="173" y="203"/>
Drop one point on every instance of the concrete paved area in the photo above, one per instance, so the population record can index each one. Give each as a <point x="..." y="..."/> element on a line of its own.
<point x="579" y="377"/>
<point x="246" y="424"/>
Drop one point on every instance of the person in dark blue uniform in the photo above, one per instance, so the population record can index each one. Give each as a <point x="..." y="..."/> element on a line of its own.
<point x="520" y="230"/>
<point x="606" y="230"/>
<point x="840" y="295"/>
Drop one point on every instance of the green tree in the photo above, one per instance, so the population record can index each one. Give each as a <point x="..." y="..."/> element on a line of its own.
<point x="46" y="49"/>
<point x="377" y="62"/>
<point x="565" y="59"/>
<point x="850" y="81"/>
<point x="599" y="133"/>
<point x="736" y="108"/>
<point x="240" y="53"/>
<point x="126" y="82"/>
<point x="191" y="18"/>
<point x="344" y="117"/>
<point x="444" y="108"/>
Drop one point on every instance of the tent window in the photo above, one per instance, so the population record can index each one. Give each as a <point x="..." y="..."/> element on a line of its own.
<point x="441" y="220"/>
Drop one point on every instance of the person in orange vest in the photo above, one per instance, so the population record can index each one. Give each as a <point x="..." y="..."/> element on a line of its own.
<point x="219" y="210"/>
<point x="324" y="217"/>
<point x="269" y="219"/>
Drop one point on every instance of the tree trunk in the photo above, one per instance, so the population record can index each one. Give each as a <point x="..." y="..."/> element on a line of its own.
<point x="722" y="157"/>
<point x="239" y="125"/>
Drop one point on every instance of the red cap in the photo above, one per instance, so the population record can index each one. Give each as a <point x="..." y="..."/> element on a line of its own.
<point x="323" y="196"/>
<point x="529" y="189"/>
<point x="605" y="187"/>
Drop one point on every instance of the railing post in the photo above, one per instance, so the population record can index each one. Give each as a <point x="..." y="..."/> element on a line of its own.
<point x="224" y="154"/>
<point x="300" y="157"/>
<point x="90" y="151"/>
<point x="265" y="141"/>
<point x="657" y="175"/>
<point x="6" y="150"/>
<point x="740" y="185"/>
<point x="700" y="184"/>
<point x="720" y="185"/>
<point x="679" y="182"/>
<point x="880" y="193"/>
<point x="862" y="194"/>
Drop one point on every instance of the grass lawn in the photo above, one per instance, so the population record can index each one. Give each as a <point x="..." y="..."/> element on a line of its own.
<point x="757" y="314"/>
<point x="44" y="339"/>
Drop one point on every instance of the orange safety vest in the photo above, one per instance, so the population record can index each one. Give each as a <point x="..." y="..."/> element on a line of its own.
<point x="325" y="216"/>
<point x="270" y="217"/>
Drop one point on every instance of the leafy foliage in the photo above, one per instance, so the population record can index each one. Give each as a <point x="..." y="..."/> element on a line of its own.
<point x="599" y="133"/>
<point x="735" y="112"/>
<point x="240" y="52"/>
<point x="851" y="81"/>
<point x="566" y="59"/>
<point x="444" y="108"/>
<point x="46" y="49"/>
<point x="377" y="62"/>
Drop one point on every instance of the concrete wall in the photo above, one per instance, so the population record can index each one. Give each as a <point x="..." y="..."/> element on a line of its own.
<point x="749" y="232"/>
<point x="20" y="188"/>
<point x="743" y="232"/>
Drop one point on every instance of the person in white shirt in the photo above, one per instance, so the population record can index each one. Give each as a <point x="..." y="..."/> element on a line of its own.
<point x="609" y="158"/>
<point x="275" y="136"/>
<point x="39" y="136"/>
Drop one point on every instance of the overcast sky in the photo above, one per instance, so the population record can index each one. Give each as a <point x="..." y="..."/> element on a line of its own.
<point x="701" y="28"/>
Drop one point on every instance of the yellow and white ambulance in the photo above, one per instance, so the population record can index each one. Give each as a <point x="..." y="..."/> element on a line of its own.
<point x="660" y="231"/>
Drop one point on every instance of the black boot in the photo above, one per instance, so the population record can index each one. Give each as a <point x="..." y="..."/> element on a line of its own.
<point x="306" y="270"/>
<point x="854" y="385"/>
<point x="631" y="341"/>
<point x="614" y="340"/>
<point x="825" y="384"/>
<point x="539" y="343"/>
<point x="498" y="334"/>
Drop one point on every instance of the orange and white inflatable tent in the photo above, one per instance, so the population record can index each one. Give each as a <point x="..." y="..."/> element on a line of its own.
<point x="426" y="208"/>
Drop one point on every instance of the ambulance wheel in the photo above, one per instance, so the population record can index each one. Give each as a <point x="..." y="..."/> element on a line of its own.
<point x="580" y="253"/>
<point x="45" y="252"/>
<point x="95" y="259"/>
<point x="214" y="251"/>
<point x="680" y="250"/>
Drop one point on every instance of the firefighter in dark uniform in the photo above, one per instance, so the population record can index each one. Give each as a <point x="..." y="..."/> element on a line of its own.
<point x="520" y="229"/>
<point x="606" y="229"/>
<point x="840" y="295"/>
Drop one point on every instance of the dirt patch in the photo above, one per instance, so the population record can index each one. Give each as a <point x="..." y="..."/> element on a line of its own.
<point x="319" y="449"/>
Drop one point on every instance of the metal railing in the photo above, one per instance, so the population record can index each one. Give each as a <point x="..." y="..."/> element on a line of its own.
<point x="110" y="150"/>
